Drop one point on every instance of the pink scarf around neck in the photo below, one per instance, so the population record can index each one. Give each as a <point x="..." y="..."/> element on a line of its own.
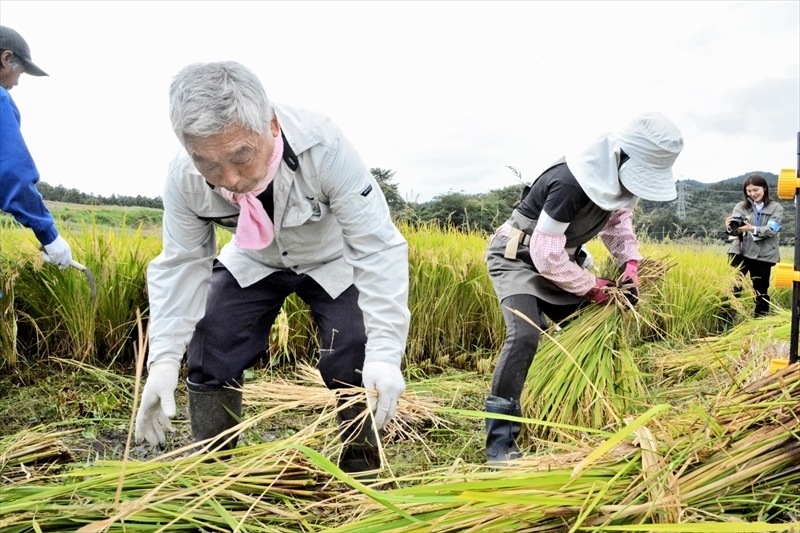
<point x="255" y="230"/>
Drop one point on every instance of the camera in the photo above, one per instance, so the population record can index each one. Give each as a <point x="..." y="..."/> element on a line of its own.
<point x="735" y="223"/>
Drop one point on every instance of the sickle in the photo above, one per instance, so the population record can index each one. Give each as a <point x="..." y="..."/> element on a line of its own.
<point x="88" y="273"/>
<point x="89" y="277"/>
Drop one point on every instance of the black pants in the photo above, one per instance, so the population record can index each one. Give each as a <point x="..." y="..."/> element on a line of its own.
<point x="234" y="333"/>
<point x="759" y="273"/>
<point x="522" y="341"/>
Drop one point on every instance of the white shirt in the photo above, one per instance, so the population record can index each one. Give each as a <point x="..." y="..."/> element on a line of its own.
<point x="331" y="223"/>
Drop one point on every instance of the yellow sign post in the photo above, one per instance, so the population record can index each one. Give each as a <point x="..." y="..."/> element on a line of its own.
<point x="787" y="275"/>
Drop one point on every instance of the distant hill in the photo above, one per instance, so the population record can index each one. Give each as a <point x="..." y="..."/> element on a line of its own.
<point x="772" y="179"/>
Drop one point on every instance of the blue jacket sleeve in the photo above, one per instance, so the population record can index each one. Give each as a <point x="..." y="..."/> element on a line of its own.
<point x="18" y="176"/>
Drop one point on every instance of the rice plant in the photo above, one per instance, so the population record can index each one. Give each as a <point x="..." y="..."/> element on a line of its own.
<point x="455" y="317"/>
<point x="58" y="302"/>
<point x="585" y="374"/>
<point x="8" y="317"/>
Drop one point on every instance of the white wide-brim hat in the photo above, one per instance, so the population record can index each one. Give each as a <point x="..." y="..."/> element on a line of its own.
<point x="653" y="142"/>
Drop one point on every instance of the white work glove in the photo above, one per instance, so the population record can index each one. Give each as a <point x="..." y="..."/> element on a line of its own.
<point x="387" y="379"/>
<point x="58" y="253"/>
<point x="158" y="402"/>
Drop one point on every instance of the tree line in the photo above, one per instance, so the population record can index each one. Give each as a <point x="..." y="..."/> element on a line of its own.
<point x="59" y="193"/>
<point x="705" y="207"/>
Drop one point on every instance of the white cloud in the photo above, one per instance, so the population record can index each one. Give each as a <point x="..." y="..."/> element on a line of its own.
<point x="445" y="93"/>
<point x="767" y="110"/>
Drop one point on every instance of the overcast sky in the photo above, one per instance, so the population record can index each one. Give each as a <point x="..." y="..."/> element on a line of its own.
<point x="446" y="94"/>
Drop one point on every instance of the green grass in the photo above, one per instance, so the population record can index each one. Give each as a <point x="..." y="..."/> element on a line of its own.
<point x="77" y="215"/>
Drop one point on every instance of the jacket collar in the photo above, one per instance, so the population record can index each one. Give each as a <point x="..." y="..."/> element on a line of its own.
<point x="294" y="125"/>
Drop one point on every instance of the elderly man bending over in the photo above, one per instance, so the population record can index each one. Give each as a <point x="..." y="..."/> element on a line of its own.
<point x="308" y="219"/>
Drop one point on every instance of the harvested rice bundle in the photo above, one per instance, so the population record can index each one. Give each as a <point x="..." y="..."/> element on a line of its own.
<point x="739" y="452"/>
<point x="28" y="453"/>
<point x="723" y="355"/>
<point x="308" y="392"/>
<point x="267" y="487"/>
<point x="728" y="467"/>
<point x="585" y="375"/>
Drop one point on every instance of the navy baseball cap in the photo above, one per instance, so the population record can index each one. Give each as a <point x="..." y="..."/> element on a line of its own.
<point x="13" y="41"/>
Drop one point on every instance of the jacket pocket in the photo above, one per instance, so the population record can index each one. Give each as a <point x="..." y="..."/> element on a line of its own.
<point x="305" y="211"/>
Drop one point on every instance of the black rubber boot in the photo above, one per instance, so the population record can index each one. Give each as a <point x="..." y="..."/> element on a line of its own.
<point x="501" y="435"/>
<point x="213" y="410"/>
<point x="360" y="452"/>
<point x="762" y="305"/>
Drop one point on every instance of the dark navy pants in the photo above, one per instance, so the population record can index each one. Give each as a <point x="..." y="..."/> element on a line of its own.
<point x="234" y="333"/>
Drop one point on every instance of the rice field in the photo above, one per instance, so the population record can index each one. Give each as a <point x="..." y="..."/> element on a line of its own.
<point x="659" y="418"/>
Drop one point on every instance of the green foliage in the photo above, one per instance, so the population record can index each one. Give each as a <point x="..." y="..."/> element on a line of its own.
<point x="60" y="193"/>
<point x="480" y="213"/>
<point x="390" y="190"/>
<point x="75" y="215"/>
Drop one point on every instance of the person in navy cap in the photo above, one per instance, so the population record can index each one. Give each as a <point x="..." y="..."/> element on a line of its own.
<point x="18" y="174"/>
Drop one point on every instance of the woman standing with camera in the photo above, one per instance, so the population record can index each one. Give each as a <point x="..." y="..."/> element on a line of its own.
<point x="755" y="222"/>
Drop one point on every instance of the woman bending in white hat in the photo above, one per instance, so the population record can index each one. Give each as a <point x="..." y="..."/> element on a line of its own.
<point x="535" y="258"/>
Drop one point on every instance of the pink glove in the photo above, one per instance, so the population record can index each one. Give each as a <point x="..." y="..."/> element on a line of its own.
<point x="597" y="294"/>
<point x="631" y="273"/>
<point x="629" y="280"/>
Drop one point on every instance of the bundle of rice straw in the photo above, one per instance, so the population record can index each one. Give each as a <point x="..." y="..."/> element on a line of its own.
<point x="728" y="465"/>
<point x="308" y="392"/>
<point x="585" y="375"/>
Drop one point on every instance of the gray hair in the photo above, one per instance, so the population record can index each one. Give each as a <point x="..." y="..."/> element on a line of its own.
<point x="205" y="98"/>
<point x="14" y="61"/>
